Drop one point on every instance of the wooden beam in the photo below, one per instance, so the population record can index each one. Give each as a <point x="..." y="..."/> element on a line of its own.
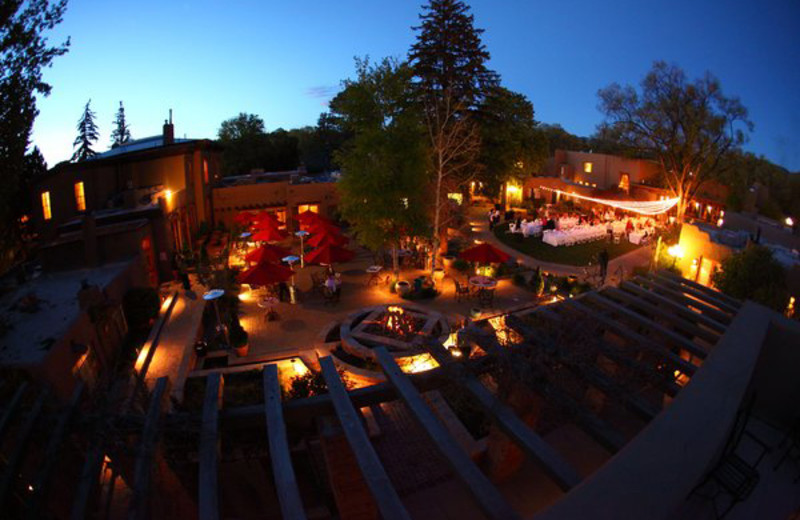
<point x="679" y="297"/>
<point x="670" y="336"/>
<point x="208" y="485"/>
<point x="640" y="341"/>
<point x="622" y="358"/>
<point x="596" y="428"/>
<point x="138" y="509"/>
<point x="592" y="375"/>
<point x="713" y="293"/>
<point x="41" y="481"/>
<point x="19" y="450"/>
<point x="280" y="458"/>
<point x="11" y="409"/>
<point x="90" y="475"/>
<point x="386" y="498"/>
<point x="674" y="319"/>
<point x="701" y="295"/>
<point x="488" y="497"/>
<point x="682" y="310"/>
<point x="545" y="456"/>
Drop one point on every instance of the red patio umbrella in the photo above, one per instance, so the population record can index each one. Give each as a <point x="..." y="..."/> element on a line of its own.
<point x="484" y="254"/>
<point x="267" y="252"/>
<point x="329" y="254"/>
<point x="265" y="273"/>
<point x="266" y="215"/>
<point x="327" y="238"/>
<point x="269" y="234"/>
<point x="307" y="217"/>
<point x="323" y="226"/>
<point x="244" y="218"/>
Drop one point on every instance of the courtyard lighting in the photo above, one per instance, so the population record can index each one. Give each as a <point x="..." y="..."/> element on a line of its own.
<point x="789" y="221"/>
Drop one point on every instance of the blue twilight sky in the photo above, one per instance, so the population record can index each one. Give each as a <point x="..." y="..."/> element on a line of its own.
<point x="208" y="60"/>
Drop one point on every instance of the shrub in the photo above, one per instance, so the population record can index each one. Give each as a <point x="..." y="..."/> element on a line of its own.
<point x="536" y="282"/>
<point x="753" y="275"/>
<point x="519" y="280"/>
<point x="237" y="335"/>
<point x="461" y="265"/>
<point x="141" y="305"/>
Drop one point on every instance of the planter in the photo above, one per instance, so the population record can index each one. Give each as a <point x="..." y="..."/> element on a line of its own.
<point x="243" y="350"/>
<point x="438" y="274"/>
<point x="447" y="261"/>
<point x="403" y="287"/>
<point x="475" y="313"/>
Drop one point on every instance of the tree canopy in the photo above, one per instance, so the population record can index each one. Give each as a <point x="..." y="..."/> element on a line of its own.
<point x="24" y="52"/>
<point x="384" y="164"/>
<point x="248" y="147"/>
<point x="512" y="147"/>
<point x="689" y="127"/>
<point x="87" y="135"/>
<point x="754" y="275"/>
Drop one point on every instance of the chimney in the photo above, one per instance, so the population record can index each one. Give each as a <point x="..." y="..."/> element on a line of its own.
<point x="169" y="130"/>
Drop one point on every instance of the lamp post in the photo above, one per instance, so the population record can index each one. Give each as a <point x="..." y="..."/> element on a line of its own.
<point x="302" y="233"/>
<point x="291" y="259"/>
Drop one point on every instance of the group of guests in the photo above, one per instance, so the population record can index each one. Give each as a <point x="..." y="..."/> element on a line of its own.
<point x="494" y="218"/>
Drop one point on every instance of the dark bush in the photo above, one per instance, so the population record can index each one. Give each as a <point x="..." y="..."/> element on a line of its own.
<point x="140" y="305"/>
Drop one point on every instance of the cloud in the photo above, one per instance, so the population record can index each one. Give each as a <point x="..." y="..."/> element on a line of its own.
<point x="322" y="92"/>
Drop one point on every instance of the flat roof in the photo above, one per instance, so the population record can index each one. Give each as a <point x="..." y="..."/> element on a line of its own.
<point x="30" y="335"/>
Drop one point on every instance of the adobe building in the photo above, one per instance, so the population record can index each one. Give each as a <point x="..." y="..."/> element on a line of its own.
<point x="616" y="177"/>
<point x="284" y="194"/>
<point x="133" y="176"/>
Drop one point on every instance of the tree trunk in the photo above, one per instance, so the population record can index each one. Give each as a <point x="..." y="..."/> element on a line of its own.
<point x="395" y="263"/>
<point x="437" y="218"/>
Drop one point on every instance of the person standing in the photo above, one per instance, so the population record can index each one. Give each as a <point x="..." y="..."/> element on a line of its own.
<point x="603" y="258"/>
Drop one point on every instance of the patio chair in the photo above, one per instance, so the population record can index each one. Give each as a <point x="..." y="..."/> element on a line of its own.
<point x="733" y="475"/>
<point x="462" y="291"/>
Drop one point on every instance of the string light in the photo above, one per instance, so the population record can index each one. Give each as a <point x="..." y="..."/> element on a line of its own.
<point x="643" y="207"/>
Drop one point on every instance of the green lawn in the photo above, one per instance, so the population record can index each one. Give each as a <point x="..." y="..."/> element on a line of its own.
<point x="580" y="254"/>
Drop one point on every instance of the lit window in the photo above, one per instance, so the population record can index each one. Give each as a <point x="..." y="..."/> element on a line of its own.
<point x="587" y="167"/>
<point x="80" y="197"/>
<point x="46" y="211"/>
<point x="313" y="208"/>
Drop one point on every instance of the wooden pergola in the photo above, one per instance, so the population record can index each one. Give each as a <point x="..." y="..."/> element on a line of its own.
<point x="658" y="327"/>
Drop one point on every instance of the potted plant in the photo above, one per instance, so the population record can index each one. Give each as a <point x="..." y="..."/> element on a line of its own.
<point x="403" y="287"/>
<point x="447" y="261"/>
<point x="239" y="339"/>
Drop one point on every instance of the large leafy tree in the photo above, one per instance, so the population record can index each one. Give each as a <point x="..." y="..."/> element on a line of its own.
<point x="512" y="147"/>
<point x="248" y="146"/>
<point x="122" y="130"/>
<point x="688" y="126"/>
<point x="449" y="63"/>
<point x="24" y="52"/>
<point x="754" y="274"/>
<point x="384" y="164"/>
<point x="87" y="135"/>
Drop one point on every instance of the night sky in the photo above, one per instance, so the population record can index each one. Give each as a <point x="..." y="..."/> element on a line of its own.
<point x="210" y="60"/>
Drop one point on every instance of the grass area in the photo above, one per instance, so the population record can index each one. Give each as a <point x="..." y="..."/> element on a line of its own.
<point x="580" y="254"/>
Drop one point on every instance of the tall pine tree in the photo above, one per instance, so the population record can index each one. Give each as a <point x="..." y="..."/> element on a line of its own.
<point x="448" y="58"/>
<point x="122" y="131"/>
<point x="24" y="52"/>
<point x="87" y="134"/>
<point x="452" y="79"/>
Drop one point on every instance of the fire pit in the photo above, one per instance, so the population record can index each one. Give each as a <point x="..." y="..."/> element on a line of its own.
<point x="401" y="329"/>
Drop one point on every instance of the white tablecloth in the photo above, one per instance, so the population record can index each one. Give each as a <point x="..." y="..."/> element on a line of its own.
<point x="531" y="229"/>
<point x="635" y="237"/>
<point x="574" y="235"/>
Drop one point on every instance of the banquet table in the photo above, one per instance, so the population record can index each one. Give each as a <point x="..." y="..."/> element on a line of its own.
<point x="531" y="229"/>
<point x="575" y="235"/>
<point x="635" y="237"/>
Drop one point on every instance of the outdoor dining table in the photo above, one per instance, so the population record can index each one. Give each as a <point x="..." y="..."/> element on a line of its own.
<point x="483" y="282"/>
